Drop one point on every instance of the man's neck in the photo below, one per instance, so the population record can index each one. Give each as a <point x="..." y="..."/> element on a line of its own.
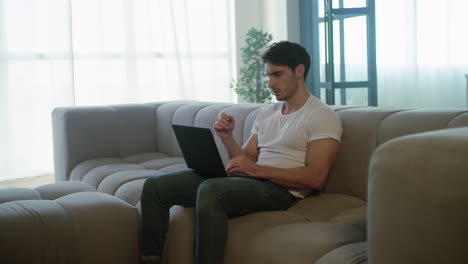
<point x="296" y="101"/>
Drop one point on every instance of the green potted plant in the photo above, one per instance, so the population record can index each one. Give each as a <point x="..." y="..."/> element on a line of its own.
<point x="252" y="85"/>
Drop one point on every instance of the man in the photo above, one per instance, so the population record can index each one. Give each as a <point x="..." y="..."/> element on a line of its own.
<point x="291" y="149"/>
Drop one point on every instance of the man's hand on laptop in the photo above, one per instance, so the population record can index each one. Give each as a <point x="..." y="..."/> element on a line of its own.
<point x="243" y="165"/>
<point x="224" y="125"/>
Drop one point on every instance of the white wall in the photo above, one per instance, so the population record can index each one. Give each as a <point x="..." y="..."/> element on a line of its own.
<point x="278" y="17"/>
<point x="247" y="14"/>
<point x="281" y="17"/>
<point x="275" y="19"/>
<point x="293" y="24"/>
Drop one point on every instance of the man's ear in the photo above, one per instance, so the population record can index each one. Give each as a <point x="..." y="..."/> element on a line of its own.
<point x="299" y="71"/>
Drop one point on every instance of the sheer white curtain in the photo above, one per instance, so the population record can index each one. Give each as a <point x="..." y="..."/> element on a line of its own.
<point x="35" y="76"/>
<point x="94" y="52"/>
<point x="422" y="53"/>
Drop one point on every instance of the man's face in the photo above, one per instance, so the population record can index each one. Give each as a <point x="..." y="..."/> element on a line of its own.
<point x="281" y="80"/>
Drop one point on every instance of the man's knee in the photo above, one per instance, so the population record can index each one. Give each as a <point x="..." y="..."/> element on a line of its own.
<point x="209" y="192"/>
<point x="149" y="187"/>
<point x="159" y="182"/>
<point x="209" y="188"/>
<point x="151" y="182"/>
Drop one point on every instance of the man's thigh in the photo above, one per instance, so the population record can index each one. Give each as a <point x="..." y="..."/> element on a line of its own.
<point x="178" y="187"/>
<point x="241" y="195"/>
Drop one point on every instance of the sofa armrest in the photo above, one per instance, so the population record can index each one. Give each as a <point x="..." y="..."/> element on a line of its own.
<point x="83" y="133"/>
<point x="418" y="199"/>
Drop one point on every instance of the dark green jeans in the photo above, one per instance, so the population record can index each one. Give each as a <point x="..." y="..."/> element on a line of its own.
<point x="216" y="200"/>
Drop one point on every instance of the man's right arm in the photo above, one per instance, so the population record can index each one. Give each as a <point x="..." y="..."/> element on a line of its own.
<point x="223" y="127"/>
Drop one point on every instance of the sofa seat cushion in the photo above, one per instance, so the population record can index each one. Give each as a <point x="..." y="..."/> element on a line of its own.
<point x="349" y="254"/>
<point x="83" y="227"/>
<point x="328" y="220"/>
<point x="312" y="227"/>
<point x="326" y="206"/>
<point x="124" y="177"/>
<point x="16" y="194"/>
<point x="56" y="190"/>
<point x="45" y="192"/>
<point x="300" y="242"/>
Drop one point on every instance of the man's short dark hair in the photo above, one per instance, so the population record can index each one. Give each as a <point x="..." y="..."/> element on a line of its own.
<point x="288" y="54"/>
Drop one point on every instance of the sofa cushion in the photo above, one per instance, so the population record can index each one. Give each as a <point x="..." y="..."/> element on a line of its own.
<point x="328" y="210"/>
<point x="124" y="177"/>
<point x="299" y="242"/>
<point x="354" y="216"/>
<point x="417" y="121"/>
<point x="360" y="132"/>
<point x="45" y="192"/>
<point x="261" y="227"/>
<point x="58" y="189"/>
<point x="131" y="192"/>
<point x="84" y="227"/>
<point x="326" y="206"/>
<point x="15" y="194"/>
<point x="349" y="254"/>
<point x="36" y="230"/>
<point x="418" y="199"/>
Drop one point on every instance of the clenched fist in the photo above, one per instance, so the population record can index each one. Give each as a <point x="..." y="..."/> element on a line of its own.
<point x="224" y="125"/>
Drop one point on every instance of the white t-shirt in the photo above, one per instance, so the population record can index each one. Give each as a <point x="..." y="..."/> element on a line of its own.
<point x="282" y="139"/>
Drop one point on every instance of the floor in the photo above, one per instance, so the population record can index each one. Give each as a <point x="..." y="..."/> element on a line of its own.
<point x="31" y="182"/>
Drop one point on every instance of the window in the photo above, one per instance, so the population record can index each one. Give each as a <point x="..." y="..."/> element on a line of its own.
<point x="96" y="52"/>
<point x="420" y="51"/>
<point x="343" y="45"/>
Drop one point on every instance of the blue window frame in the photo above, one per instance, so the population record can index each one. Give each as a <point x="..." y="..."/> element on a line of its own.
<point x="340" y="36"/>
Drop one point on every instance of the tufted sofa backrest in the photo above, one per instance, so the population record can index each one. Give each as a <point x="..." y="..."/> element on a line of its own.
<point x="364" y="129"/>
<point x="201" y="114"/>
<point x="82" y="133"/>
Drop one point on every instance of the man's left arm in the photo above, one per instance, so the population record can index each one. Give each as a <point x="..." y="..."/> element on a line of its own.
<point x="320" y="156"/>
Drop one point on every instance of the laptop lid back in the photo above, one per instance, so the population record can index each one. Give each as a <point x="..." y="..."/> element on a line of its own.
<point x="200" y="151"/>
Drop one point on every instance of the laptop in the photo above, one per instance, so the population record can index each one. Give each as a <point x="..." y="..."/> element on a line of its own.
<point x="200" y="152"/>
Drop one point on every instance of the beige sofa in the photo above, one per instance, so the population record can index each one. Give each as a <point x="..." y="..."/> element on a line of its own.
<point x="115" y="148"/>
<point x="66" y="223"/>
